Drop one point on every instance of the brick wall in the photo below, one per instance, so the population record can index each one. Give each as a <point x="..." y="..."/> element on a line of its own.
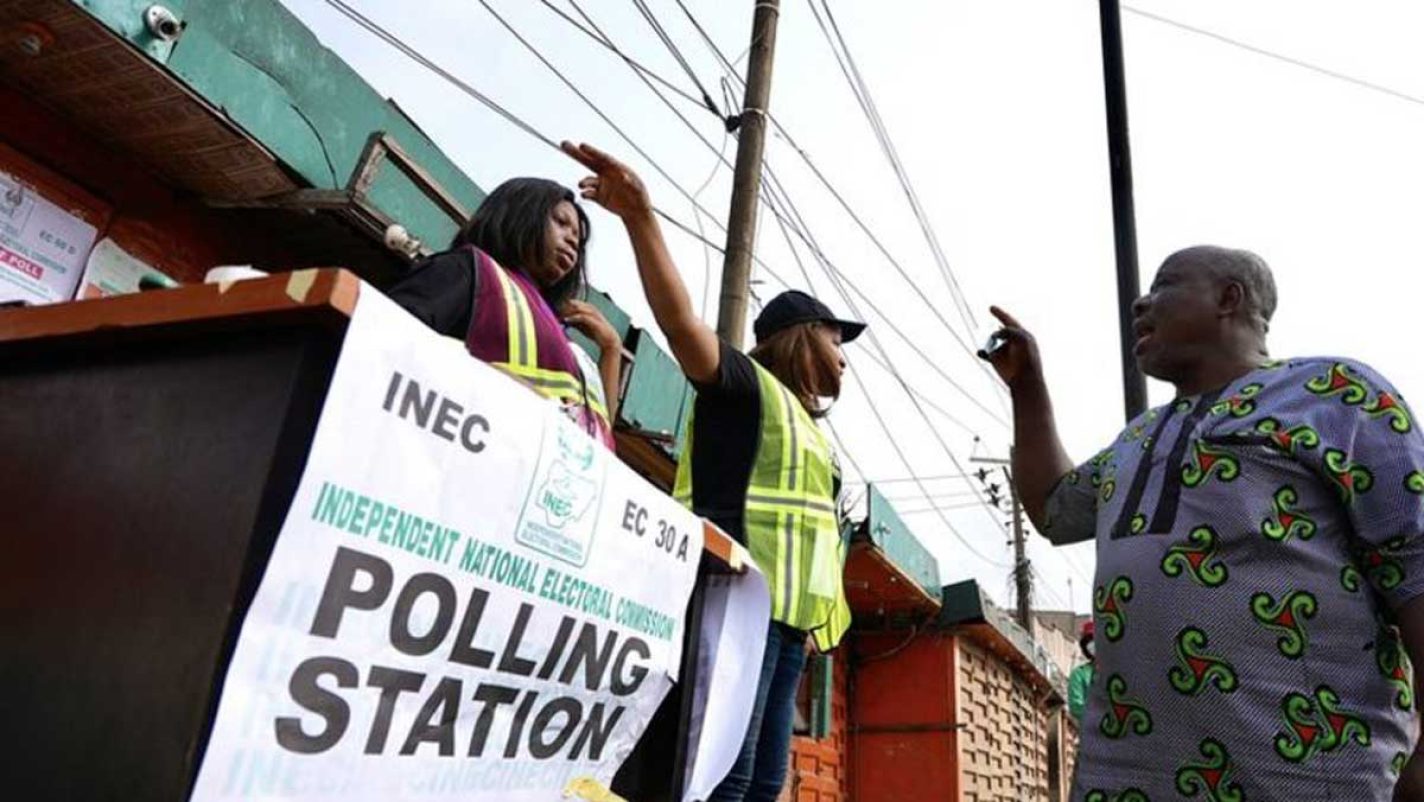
<point x="1004" y="742"/>
<point x="990" y="719"/>
<point x="819" y="766"/>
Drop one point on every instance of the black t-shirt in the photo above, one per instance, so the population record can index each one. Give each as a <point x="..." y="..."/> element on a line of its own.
<point x="441" y="292"/>
<point x="726" y="428"/>
<point x="726" y="425"/>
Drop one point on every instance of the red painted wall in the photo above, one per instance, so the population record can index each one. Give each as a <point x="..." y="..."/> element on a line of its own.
<point x="904" y="741"/>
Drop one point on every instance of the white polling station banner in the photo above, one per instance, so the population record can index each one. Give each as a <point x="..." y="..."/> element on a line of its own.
<point x="469" y="599"/>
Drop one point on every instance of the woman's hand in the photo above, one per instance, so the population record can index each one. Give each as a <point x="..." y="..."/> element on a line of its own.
<point x="586" y="318"/>
<point x="614" y="185"/>
<point x="619" y="190"/>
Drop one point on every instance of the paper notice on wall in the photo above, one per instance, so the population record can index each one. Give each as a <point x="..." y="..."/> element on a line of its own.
<point x="111" y="270"/>
<point x="470" y="599"/>
<point x="42" y="246"/>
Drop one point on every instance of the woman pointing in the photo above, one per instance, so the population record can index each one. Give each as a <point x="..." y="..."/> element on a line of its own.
<point x="754" y="461"/>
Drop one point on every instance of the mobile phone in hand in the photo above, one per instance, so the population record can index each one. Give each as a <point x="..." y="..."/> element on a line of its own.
<point x="991" y="346"/>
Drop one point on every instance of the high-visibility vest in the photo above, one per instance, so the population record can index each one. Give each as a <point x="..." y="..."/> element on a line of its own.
<point x="510" y="321"/>
<point x="790" y="515"/>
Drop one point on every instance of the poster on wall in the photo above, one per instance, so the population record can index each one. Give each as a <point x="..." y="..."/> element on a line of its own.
<point x="43" y="247"/>
<point x="469" y="598"/>
<point x="111" y="270"/>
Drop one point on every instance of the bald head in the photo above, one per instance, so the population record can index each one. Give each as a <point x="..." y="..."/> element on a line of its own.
<point x="1204" y="320"/>
<point x="1246" y="269"/>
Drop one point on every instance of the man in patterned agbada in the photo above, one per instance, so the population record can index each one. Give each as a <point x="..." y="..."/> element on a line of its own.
<point x="1260" y="556"/>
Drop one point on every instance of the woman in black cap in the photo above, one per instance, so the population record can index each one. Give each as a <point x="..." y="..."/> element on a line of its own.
<point x="754" y="461"/>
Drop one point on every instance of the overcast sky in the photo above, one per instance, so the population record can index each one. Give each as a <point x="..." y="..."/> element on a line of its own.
<point x="996" y="109"/>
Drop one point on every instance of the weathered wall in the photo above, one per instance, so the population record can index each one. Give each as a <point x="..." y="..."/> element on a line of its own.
<point x="1004" y="743"/>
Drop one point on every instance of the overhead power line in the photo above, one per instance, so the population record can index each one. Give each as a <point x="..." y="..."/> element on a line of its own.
<point x="782" y="221"/>
<point x="604" y="39"/>
<point x="414" y="55"/>
<point x="672" y="48"/>
<point x="712" y="45"/>
<point x="1281" y="57"/>
<point x="946" y="477"/>
<point x="593" y="31"/>
<point x="863" y="97"/>
<point x="785" y="135"/>
<point x="419" y="58"/>
<point x="773" y="186"/>
<point x="1083" y="574"/>
<point x="874" y="339"/>
<point x="1044" y="585"/>
<point x="636" y="65"/>
<point x="594" y="107"/>
<point x="935" y="506"/>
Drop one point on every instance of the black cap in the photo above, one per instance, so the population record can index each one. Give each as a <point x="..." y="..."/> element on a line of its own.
<point x="793" y="307"/>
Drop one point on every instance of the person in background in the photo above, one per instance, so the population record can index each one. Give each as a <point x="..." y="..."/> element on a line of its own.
<point x="1081" y="678"/>
<point x="754" y="462"/>
<point x="1260" y="554"/>
<point x="507" y="287"/>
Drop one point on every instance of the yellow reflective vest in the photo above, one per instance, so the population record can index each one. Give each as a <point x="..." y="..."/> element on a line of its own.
<point x="520" y="355"/>
<point x="790" y="514"/>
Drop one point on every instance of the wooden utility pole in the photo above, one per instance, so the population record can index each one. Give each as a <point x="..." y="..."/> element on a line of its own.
<point x="1023" y="577"/>
<point x="746" y="181"/>
<point x="1023" y="580"/>
<point x="1134" y="385"/>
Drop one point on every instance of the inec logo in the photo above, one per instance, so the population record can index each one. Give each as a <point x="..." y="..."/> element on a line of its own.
<point x="559" y="517"/>
<point x="567" y="491"/>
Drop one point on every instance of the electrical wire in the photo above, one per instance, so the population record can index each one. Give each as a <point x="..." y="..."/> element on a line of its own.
<point x="948" y="495"/>
<point x="394" y="41"/>
<point x="879" y="418"/>
<point x="419" y="58"/>
<point x="706" y="254"/>
<point x="841" y="282"/>
<point x="894" y="443"/>
<point x="855" y="376"/>
<point x="672" y="48"/>
<point x="774" y="186"/>
<point x="876" y="344"/>
<point x="932" y="507"/>
<point x="636" y="65"/>
<point x="872" y="113"/>
<point x="798" y="222"/>
<point x="414" y="55"/>
<point x="784" y="134"/>
<point x="707" y="39"/>
<point x="1048" y="587"/>
<point x="721" y="157"/>
<point x="603" y="39"/>
<point x="721" y="161"/>
<point x="940" y="478"/>
<point x="781" y="222"/>
<point x="596" y="110"/>
<point x="1083" y="574"/>
<point x="877" y="123"/>
<point x="1271" y="54"/>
